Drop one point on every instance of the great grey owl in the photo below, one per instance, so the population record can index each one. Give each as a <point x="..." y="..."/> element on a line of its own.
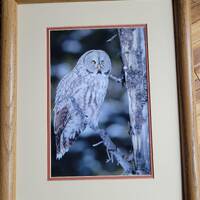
<point x="79" y="97"/>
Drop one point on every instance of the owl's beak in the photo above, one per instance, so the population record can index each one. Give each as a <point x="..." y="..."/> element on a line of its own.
<point x="99" y="69"/>
<point x="98" y="66"/>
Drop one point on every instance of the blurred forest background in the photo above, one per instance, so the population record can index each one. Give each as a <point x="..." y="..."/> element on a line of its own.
<point x="83" y="159"/>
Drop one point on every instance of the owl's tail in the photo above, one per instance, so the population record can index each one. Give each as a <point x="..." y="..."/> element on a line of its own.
<point x="61" y="149"/>
<point x="60" y="155"/>
<point x="64" y="143"/>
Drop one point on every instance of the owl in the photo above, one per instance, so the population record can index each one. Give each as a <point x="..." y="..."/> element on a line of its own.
<point x="79" y="97"/>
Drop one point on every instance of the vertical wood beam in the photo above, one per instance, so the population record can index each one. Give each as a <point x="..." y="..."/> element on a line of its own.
<point x="189" y="148"/>
<point x="8" y="98"/>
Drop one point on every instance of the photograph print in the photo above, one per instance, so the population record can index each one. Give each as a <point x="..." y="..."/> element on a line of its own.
<point x="99" y="115"/>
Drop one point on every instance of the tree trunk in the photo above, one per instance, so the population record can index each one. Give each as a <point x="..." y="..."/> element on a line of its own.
<point x="133" y="52"/>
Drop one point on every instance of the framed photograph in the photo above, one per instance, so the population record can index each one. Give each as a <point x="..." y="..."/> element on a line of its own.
<point x="97" y="101"/>
<point x="114" y="107"/>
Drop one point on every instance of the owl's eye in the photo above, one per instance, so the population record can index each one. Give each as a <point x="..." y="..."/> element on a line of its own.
<point x="93" y="62"/>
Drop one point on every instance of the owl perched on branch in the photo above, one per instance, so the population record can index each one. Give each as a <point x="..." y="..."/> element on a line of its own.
<point x="79" y="97"/>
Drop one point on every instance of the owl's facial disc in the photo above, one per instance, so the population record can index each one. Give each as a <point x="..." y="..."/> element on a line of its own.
<point x="98" y="63"/>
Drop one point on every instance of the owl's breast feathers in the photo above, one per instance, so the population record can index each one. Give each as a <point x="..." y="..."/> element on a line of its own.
<point x="90" y="95"/>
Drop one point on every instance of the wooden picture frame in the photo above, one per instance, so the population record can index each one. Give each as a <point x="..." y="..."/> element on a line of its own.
<point x="188" y="135"/>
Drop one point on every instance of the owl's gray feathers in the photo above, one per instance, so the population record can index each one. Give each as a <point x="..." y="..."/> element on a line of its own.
<point x="79" y="97"/>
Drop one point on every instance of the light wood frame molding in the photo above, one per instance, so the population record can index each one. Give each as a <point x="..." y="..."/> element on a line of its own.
<point x="8" y="98"/>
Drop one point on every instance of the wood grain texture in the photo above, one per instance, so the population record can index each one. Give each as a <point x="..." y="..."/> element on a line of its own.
<point x="8" y="101"/>
<point x="189" y="145"/>
<point x="53" y="1"/>
<point x="196" y="56"/>
<point x="196" y="33"/>
<point x="196" y="64"/>
<point x="195" y="12"/>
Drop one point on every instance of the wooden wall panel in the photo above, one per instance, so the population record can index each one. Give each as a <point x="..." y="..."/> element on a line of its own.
<point x="196" y="34"/>
<point x="195" y="11"/>
<point x="195" y="14"/>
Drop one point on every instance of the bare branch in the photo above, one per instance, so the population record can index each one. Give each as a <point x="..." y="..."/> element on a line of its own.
<point x="97" y="144"/>
<point x="112" y="149"/>
<point x="116" y="79"/>
<point x="112" y="38"/>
